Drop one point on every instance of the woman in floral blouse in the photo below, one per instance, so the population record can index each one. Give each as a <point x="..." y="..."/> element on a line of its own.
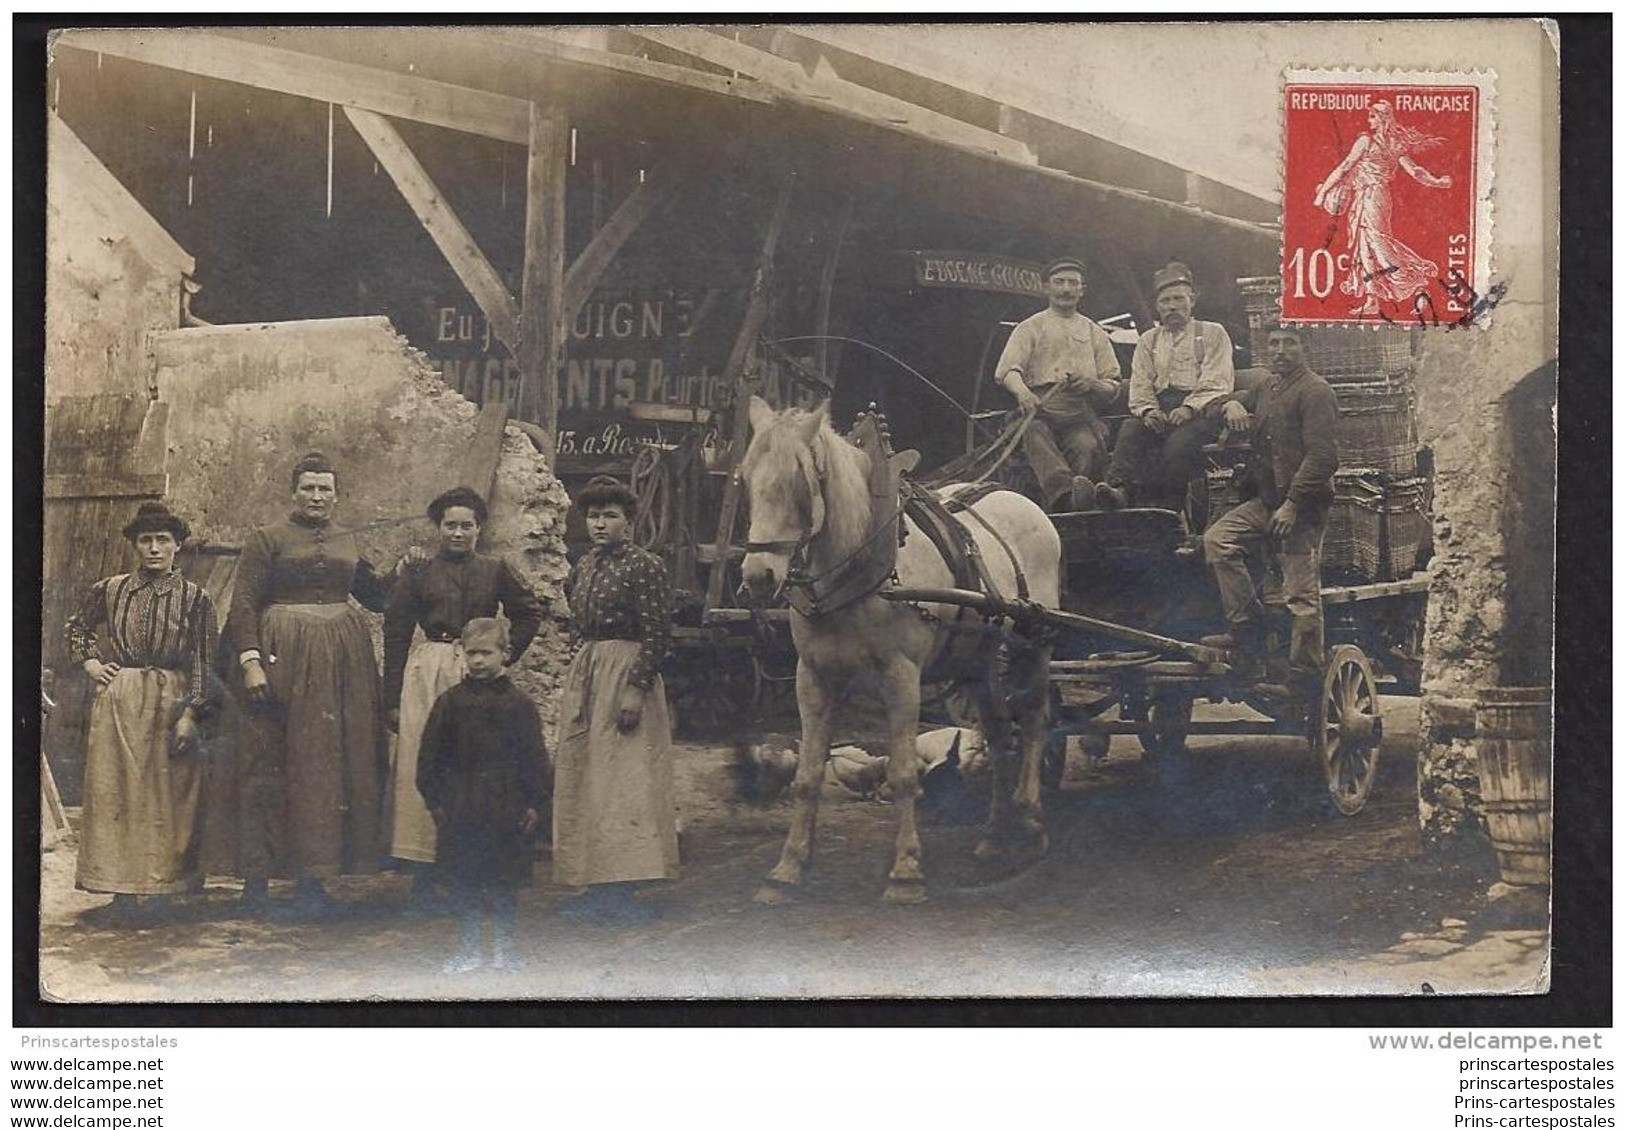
<point x="614" y="817"/>
<point x="146" y="639"/>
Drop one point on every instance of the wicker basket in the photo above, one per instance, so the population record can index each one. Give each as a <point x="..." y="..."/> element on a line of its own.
<point x="1335" y="352"/>
<point x="1330" y="351"/>
<point x="1376" y="428"/>
<point x="1352" y="549"/>
<point x="1407" y="532"/>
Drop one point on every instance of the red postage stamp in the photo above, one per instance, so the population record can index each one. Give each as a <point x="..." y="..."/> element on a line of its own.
<point x="1386" y="198"/>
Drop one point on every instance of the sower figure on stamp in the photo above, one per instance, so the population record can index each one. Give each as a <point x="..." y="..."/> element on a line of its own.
<point x="1294" y="436"/>
<point x="1060" y="367"/>
<point x="1181" y="366"/>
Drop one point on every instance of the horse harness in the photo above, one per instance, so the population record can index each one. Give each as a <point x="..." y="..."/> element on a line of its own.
<point x="873" y="564"/>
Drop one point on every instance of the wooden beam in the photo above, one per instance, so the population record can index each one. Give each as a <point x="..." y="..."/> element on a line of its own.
<point x="722" y="51"/>
<point x="542" y="289"/>
<point x="478" y="466"/>
<point x="826" y="291"/>
<point x="477" y="275"/>
<point x="733" y="376"/>
<point x="541" y="42"/>
<point x="68" y="486"/>
<point x="644" y="201"/>
<point x="309" y="76"/>
<point x="826" y="90"/>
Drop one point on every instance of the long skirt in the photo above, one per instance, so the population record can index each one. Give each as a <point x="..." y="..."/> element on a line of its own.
<point x="312" y="760"/>
<point x="614" y="812"/>
<point x="432" y="669"/>
<point x="1383" y="267"/>
<point x="140" y="803"/>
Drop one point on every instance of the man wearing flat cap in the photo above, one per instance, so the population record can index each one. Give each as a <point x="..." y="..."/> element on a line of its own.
<point x="1060" y="367"/>
<point x="1294" y="438"/>
<point x="1181" y="368"/>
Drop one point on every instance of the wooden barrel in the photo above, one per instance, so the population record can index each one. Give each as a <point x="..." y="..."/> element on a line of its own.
<point x="1515" y="779"/>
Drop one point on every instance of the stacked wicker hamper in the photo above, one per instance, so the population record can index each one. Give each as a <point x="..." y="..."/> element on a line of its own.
<point x="1378" y="529"/>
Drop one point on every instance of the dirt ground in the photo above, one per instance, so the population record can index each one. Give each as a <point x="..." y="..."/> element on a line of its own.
<point x="1228" y="874"/>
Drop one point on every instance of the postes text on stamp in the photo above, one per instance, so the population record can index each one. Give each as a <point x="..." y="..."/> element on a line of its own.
<point x="1385" y="199"/>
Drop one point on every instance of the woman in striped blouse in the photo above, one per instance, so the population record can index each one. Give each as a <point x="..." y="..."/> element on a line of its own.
<point x="146" y="639"/>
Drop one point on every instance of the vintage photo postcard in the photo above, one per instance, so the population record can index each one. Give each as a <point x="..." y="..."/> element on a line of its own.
<point x="769" y="511"/>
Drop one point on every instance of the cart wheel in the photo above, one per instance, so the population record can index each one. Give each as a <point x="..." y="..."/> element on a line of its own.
<point x="713" y="698"/>
<point x="1169" y="721"/>
<point x="1346" y="730"/>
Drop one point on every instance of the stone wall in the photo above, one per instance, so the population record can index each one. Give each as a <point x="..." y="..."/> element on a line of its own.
<point x="1480" y="391"/>
<point x="248" y="400"/>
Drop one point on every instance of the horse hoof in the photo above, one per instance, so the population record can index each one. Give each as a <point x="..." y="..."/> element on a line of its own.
<point x="904" y="894"/>
<point x="772" y="894"/>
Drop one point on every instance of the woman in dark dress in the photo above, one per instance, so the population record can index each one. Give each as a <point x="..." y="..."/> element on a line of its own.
<point x="440" y="595"/>
<point x="310" y="738"/>
<point x="147" y="640"/>
<point x="614" y="816"/>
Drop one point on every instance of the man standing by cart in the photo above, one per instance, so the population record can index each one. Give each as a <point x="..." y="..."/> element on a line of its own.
<point x="1181" y="366"/>
<point x="1294" y="437"/>
<point x="1060" y="367"/>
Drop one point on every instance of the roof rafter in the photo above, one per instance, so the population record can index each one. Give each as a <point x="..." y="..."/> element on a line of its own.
<point x="308" y="76"/>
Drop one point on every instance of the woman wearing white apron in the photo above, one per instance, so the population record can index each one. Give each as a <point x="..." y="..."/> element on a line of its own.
<point x="147" y="640"/>
<point x="439" y="595"/>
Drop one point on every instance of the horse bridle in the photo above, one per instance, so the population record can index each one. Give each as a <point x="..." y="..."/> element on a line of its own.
<point x="795" y="548"/>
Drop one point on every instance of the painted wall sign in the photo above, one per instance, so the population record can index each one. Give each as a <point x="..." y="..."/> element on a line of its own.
<point x="640" y="368"/>
<point x="970" y="270"/>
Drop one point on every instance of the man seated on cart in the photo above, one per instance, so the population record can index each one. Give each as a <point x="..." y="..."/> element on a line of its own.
<point x="1060" y="367"/>
<point x="1294" y="439"/>
<point x="1181" y="368"/>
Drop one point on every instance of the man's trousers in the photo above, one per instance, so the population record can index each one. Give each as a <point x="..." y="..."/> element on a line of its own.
<point x="1243" y="534"/>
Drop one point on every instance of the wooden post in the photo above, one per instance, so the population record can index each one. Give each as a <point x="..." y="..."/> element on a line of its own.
<point x="826" y="291"/>
<point x="425" y="199"/>
<point x="541" y="337"/>
<point x="642" y="202"/>
<point x="734" y="378"/>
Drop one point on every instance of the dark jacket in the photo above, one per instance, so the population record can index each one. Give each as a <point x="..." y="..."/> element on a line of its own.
<point x="444" y="593"/>
<point x="1294" y="438"/>
<point x="482" y="763"/>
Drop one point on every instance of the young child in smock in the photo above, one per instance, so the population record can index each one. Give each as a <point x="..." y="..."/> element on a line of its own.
<point x="482" y="770"/>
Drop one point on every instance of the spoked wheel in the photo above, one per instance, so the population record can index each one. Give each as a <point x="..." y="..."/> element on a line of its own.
<point x="715" y="693"/>
<point x="1346" y="728"/>
<point x="1168" y="720"/>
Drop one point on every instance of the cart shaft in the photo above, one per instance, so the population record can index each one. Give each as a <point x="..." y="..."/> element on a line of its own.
<point x="1023" y="610"/>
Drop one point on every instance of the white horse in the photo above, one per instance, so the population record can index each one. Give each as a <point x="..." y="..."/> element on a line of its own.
<point x="811" y="508"/>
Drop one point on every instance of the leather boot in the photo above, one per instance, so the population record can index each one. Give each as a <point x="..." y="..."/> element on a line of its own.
<point x="1244" y="643"/>
<point x="1111" y="496"/>
<point x="1083" y="493"/>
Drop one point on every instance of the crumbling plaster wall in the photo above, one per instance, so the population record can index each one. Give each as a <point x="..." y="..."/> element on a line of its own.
<point x="249" y="400"/>
<point x="1464" y="380"/>
<point x="112" y="274"/>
